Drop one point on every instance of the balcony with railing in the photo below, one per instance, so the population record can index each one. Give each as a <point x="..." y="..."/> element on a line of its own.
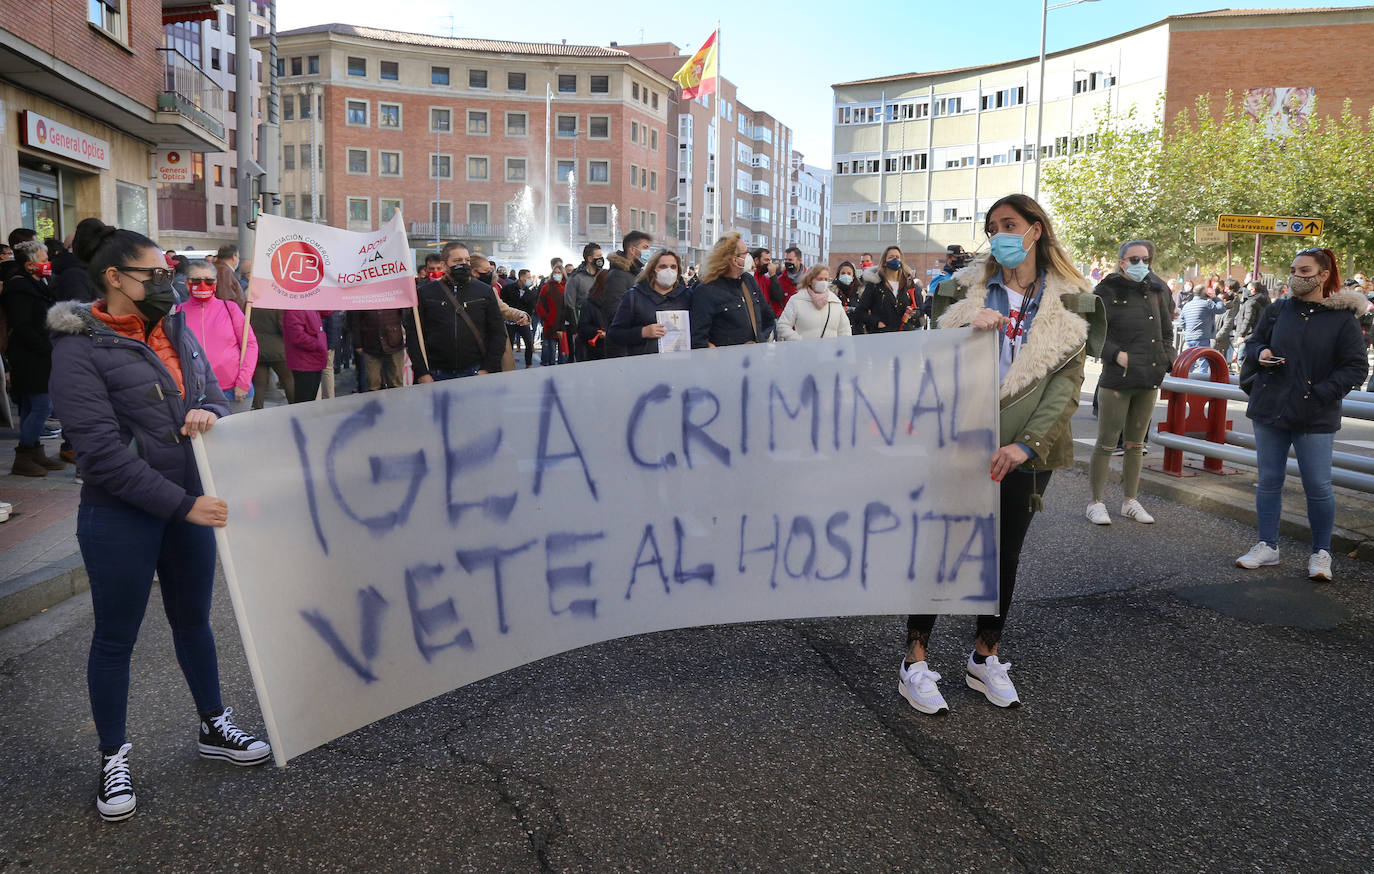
<point x="458" y="230"/>
<point x="189" y="93"/>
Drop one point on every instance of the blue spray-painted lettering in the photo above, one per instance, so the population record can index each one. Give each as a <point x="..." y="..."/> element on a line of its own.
<point x="543" y="460"/>
<point x="705" y="571"/>
<point x="371" y="605"/>
<point x="839" y="544"/>
<point x="771" y="546"/>
<point x="648" y="539"/>
<point x="809" y="396"/>
<point x="425" y="622"/>
<point x="301" y="450"/>
<point x="562" y="576"/>
<point x="493" y="556"/>
<point x="889" y="433"/>
<point x="469" y="457"/>
<point x="985" y="531"/>
<point x="874" y="511"/>
<point x="390" y="468"/>
<point x="919" y="409"/>
<point x="695" y="432"/>
<point x="657" y="394"/>
<point x="801" y="527"/>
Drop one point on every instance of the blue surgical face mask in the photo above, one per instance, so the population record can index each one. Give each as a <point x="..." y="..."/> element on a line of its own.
<point x="1009" y="249"/>
<point x="1138" y="271"/>
<point x="894" y="263"/>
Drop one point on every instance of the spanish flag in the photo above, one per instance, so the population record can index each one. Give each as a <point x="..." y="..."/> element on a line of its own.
<point x="698" y="75"/>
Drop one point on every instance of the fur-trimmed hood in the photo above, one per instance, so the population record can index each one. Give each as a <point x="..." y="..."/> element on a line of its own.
<point x="618" y="261"/>
<point x="1346" y="299"/>
<point x="73" y="317"/>
<point x="1056" y="334"/>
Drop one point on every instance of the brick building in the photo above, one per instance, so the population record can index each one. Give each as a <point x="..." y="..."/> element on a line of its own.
<point x="919" y="157"/>
<point x="755" y="178"/>
<point x="89" y="95"/>
<point x="452" y="133"/>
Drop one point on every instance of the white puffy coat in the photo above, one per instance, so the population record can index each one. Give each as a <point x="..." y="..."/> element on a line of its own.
<point x="800" y="320"/>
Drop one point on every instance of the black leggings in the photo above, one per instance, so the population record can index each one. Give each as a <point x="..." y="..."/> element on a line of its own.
<point x="1017" y="488"/>
<point x="306" y="384"/>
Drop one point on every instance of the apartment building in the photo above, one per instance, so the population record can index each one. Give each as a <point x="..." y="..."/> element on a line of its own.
<point x="204" y="214"/>
<point x="519" y="149"/>
<point x="90" y="95"/>
<point x="755" y="178"/>
<point x="918" y="158"/>
<point x="806" y="210"/>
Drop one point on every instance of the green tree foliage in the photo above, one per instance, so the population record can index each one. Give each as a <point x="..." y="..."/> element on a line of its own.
<point x="1145" y="179"/>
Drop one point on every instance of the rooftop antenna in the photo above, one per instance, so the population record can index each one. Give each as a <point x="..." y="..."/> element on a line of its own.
<point x="450" y="26"/>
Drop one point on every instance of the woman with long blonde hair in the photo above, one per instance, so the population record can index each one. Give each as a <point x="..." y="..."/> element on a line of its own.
<point x="1048" y="322"/>
<point x="728" y="309"/>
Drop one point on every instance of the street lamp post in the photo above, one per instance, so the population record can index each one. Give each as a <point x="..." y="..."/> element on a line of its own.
<point x="1045" y="8"/>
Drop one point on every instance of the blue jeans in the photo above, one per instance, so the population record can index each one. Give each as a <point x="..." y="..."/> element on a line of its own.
<point x="1314" y="462"/>
<point x="121" y="547"/>
<point x="551" y="353"/>
<point x="440" y="374"/>
<point x="34" y="411"/>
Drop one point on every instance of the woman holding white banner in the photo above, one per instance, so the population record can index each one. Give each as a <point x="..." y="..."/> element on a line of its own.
<point x="1048" y="322"/>
<point x="134" y="388"/>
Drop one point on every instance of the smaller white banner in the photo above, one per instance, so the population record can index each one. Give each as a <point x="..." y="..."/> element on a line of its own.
<point x="679" y="327"/>
<point x="41" y="132"/>
<point x="174" y="167"/>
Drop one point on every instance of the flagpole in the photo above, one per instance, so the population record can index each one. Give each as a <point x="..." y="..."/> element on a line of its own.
<point x="720" y="139"/>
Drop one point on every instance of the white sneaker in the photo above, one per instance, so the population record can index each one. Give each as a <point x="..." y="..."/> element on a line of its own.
<point x="1260" y="555"/>
<point x="1097" y="514"/>
<point x="917" y="685"/>
<point x="991" y="679"/>
<point x="1132" y="509"/>
<point x="1319" y="566"/>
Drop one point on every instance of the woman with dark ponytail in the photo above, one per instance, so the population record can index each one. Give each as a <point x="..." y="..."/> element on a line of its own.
<point x="133" y="387"/>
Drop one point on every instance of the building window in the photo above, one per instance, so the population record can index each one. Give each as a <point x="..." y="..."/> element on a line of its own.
<point x="441" y="212"/>
<point x="644" y="180"/>
<point x="634" y="132"/>
<point x="653" y="140"/>
<point x="388" y="164"/>
<point x="598" y="171"/>
<point x="634" y="175"/>
<point x="634" y="90"/>
<point x="438" y="75"/>
<point x="515" y="81"/>
<point x="219" y="214"/>
<point x="477" y="169"/>
<point x="288" y="157"/>
<point x="562" y="213"/>
<point x="218" y="175"/>
<point x="233" y="65"/>
<point x="477" y="122"/>
<point x="564" y="170"/>
<point x="440" y="121"/>
<point x="389" y="115"/>
<point x="357" y="112"/>
<point x="357" y="66"/>
<point x="357" y="161"/>
<point x="599" y="127"/>
<point x="440" y="166"/>
<point x="312" y="65"/>
<point x="517" y="124"/>
<point x="107" y="15"/>
<point x="598" y="216"/>
<point x="567" y="125"/>
<point x="359" y="212"/>
<point x="214" y="60"/>
<point x="601" y="84"/>
<point x="288" y="109"/>
<point x="478" y="214"/>
<point x="515" y="169"/>
<point x="567" y="83"/>
<point x="297" y="66"/>
<point x="233" y="101"/>
<point x="388" y="207"/>
<point x="305" y="157"/>
<point x="477" y="78"/>
<point x="390" y="71"/>
<point x="653" y="180"/>
<point x="306" y="113"/>
<point x="289" y="206"/>
<point x="655" y="100"/>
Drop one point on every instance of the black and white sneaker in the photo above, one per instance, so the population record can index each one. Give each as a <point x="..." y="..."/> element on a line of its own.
<point x="221" y="739"/>
<point x="115" y="799"/>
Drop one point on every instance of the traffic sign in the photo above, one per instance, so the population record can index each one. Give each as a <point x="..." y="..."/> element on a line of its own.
<point x="1263" y="224"/>
<point x="1206" y="235"/>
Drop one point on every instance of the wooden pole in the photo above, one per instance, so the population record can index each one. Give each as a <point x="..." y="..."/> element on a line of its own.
<point x="420" y="333"/>
<point x="243" y="341"/>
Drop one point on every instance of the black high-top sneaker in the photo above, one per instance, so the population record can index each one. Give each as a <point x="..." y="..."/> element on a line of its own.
<point x="221" y="739"/>
<point x="115" y="800"/>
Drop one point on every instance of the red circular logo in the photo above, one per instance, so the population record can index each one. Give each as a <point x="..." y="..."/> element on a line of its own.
<point x="42" y="132"/>
<point x="297" y="267"/>
<point x="174" y="157"/>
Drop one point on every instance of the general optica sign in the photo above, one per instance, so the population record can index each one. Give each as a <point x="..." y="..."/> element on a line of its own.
<point x="45" y="134"/>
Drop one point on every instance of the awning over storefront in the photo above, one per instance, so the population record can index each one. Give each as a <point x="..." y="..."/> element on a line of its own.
<point x="174" y="11"/>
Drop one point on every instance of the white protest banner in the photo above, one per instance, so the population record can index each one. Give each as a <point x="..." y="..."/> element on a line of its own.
<point x="304" y="266"/>
<point x="388" y="547"/>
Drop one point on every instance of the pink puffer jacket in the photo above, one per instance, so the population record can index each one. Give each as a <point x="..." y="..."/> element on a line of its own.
<point x="218" y="325"/>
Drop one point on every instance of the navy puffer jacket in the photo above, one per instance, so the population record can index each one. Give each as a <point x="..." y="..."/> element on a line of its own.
<point x="120" y="407"/>
<point x="639" y="307"/>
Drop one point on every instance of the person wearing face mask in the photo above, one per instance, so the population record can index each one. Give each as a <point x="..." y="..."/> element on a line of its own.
<point x="891" y="300"/>
<point x="1305" y="355"/>
<point x="27" y="297"/>
<point x="579" y="287"/>
<point x="510" y="316"/>
<point x="555" y="319"/>
<point x="134" y="387"/>
<point x="764" y="272"/>
<point x="1136" y="356"/>
<point x="727" y="308"/>
<point x="635" y="324"/>
<point x="464" y="333"/>
<point x="594" y="320"/>
<point x="218" y="325"/>
<point x="788" y="280"/>
<point x="815" y="311"/>
<point x="847" y="287"/>
<point x="1047" y="322"/>
<point x="1252" y="305"/>
<point x="521" y="295"/>
<point x="626" y="266"/>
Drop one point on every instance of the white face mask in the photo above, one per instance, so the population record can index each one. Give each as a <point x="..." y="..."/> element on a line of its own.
<point x="666" y="277"/>
<point x="557" y="277"/>
<point x="845" y="279"/>
<point x="821" y="286"/>
<point x="748" y="262"/>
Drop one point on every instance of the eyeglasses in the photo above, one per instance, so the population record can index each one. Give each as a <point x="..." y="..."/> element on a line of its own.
<point x="200" y="283"/>
<point x="1136" y="259"/>
<point x="156" y="274"/>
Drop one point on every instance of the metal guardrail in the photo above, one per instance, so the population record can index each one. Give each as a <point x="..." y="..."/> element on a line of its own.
<point x="190" y="92"/>
<point x="1357" y="404"/>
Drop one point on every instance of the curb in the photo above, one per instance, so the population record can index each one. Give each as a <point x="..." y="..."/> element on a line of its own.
<point x="30" y="594"/>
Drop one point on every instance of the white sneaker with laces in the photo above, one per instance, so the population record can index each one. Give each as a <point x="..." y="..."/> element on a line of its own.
<point x="1097" y="514"/>
<point x="1319" y="566"/>
<point x="991" y="679"/>
<point x="1132" y="510"/>
<point x="917" y="685"/>
<point x="1260" y="555"/>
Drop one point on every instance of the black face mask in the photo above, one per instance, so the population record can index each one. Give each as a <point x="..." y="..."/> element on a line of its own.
<point x="461" y="274"/>
<point x="599" y="263"/>
<point x="484" y="278"/>
<point x="158" y="300"/>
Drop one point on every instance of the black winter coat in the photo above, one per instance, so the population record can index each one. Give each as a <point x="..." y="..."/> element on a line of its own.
<point x="879" y="304"/>
<point x="591" y="319"/>
<point x="1139" y="324"/>
<point x="1247" y="318"/>
<point x="450" y="342"/>
<point x="27" y="300"/>
<point x="71" y="279"/>
<point x="623" y="274"/>
<point x="718" y="315"/>
<point x="639" y="307"/>
<point x="1325" y="359"/>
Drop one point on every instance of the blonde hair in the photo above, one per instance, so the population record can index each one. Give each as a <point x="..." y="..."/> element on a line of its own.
<point x="810" y="276"/>
<point x="1049" y="254"/>
<point x="647" y="274"/>
<point x="477" y="262"/>
<point x="720" y="258"/>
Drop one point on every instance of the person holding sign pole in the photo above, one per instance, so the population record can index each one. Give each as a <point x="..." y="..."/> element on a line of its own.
<point x="728" y="309"/>
<point x="464" y="334"/>
<point x="635" y="324"/>
<point x="134" y="387"/>
<point x="1048" y="322"/>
